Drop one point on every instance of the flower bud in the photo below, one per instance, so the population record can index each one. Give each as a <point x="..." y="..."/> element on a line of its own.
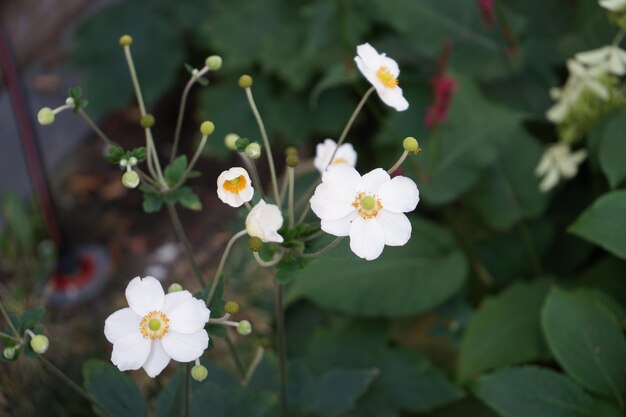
<point x="130" y="179"/>
<point x="410" y="145"/>
<point x="9" y="353"/>
<point x="230" y="141"/>
<point x="245" y="81"/>
<point x="39" y="343"/>
<point x="70" y="101"/>
<point x="206" y="128"/>
<point x="175" y="287"/>
<point x="253" y="150"/>
<point x="126" y="40"/>
<point x="292" y="160"/>
<point x="291" y="150"/>
<point x="231" y="307"/>
<point x="147" y="121"/>
<point x="214" y="62"/>
<point x="45" y="116"/>
<point x="244" y="328"/>
<point x="199" y="373"/>
<point x="255" y="244"/>
<point x="132" y="161"/>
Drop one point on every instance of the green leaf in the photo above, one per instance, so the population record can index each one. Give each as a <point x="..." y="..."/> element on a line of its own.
<point x="29" y="319"/>
<point x="587" y="341"/>
<point x="169" y="402"/>
<point x="116" y="153"/>
<point x="613" y="148"/>
<point x="467" y="407"/>
<point x="405" y="280"/>
<point x="139" y="153"/>
<point x="603" y="223"/>
<point x="114" y="390"/>
<point x="533" y="391"/>
<point x="152" y="202"/>
<point x="237" y="401"/>
<point x="288" y="268"/>
<point x="174" y="171"/>
<point x="187" y="198"/>
<point x="506" y="330"/>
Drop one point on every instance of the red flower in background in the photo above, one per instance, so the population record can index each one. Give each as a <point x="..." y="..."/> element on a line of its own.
<point x="486" y="9"/>
<point x="443" y="89"/>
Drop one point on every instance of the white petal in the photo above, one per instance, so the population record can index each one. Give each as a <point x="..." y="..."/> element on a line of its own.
<point x="593" y="57"/>
<point x="598" y="88"/>
<point x="399" y="195"/>
<point x="366" y="238"/>
<point x="145" y="295"/>
<point x="369" y="74"/>
<point x="188" y="317"/>
<point x="130" y="352"/>
<point x="346" y="154"/>
<point x="342" y="175"/>
<point x="550" y="180"/>
<point x="185" y="347"/>
<point x="340" y="227"/>
<point x="373" y="180"/>
<point x="175" y="299"/>
<point x="121" y="323"/>
<point x="558" y="111"/>
<point x="613" y="5"/>
<point x="157" y="359"/>
<point x="396" y="227"/>
<point x="332" y="203"/>
<point x="393" y="97"/>
<point x="616" y="65"/>
<point x="369" y="55"/>
<point x="391" y="65"/>
<point x="246" y="194"/>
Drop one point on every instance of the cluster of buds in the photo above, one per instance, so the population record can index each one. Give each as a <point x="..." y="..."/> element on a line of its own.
<point x="130" y="179"/>
<point x="39" y="343"/>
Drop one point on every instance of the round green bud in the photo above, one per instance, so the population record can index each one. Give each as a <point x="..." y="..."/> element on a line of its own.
<point x="253" y="150"/>
<point x="206" y="128"/>
<point x="199" y="373"/>
<point x="70" y="101"/>
<point x="245" y="81"/>
<point x="9" y="353"/>
<point x="230" y="141"/>
<point x="255" y="244"/>
<point x="126" y="40"/>
<point x="147" y="121"/>
<point x="130" y="179"/>
<point x="231" y="307"/>
<point x="45" y="116"/>
<point x="214" y="62"/>
<point x="244" y="328"/>
<point x="291" y="150"/>
<point x="410" y="145"/>
<point x="292" y="160"/>
<point x="39" y="343"/>
<point x="175" y="287"/>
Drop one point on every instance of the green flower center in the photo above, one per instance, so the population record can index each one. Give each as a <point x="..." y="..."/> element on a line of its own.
<point x="154" y="324"/>
<point x="368" y="203"/>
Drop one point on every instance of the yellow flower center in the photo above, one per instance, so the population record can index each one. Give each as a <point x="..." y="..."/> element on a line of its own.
<point x="367" y="206"/>
<point x="235" y="185"/>
<point x="339" y="161"/>
<point x="386" y="77"/>
<point x="154" y="325"/>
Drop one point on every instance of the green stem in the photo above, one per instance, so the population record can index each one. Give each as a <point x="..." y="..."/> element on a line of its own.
<point x="290" y="176"/>
<point x="256" y="180"/>
<point x="275" y="259"/>
<point x="8" y="336"/>
<point x="399" y="162"/>
<point x="194" y="159"/>
<point x="95" y="128"/>
<point x="151" y="149"/>
<point x="220" y="268"/>
<point x="135" y="81"/>
<point x="619" y="37"/>
<point x="186" y="390"/>
<point x="238" y="363"/>
<point x="266" y="142"/>
<point x="56" y="371"/>
<point x="281" y="347"/>
<point x="323" y="251"/>
<point x="7" y="318"/>
<point x="255" y="363"/>
<point x="180" y="232"/>
<point x="307" y="195"/>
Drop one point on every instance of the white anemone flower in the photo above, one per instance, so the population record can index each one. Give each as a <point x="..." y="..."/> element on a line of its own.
<point x="369" y="209"/>
<point x="234" y="187"/>
<point x="382" y="72"/>
<point x="156" y="327"/>
<point x="263" y="222"/>
<point x="614" y="5"/>
<point x="558" y="161"/>
<point x="324" y="151"/>
<point x="611" y="58"/>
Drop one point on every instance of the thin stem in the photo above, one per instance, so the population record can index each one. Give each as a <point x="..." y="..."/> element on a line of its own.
<point x="8" y="336"/>
<point x="147" y="178"/>
<point x="256" y="180"/>
<point x="186" y="390"/>
<point x="180" y="232"/>
<point x="321" y="252"/>
<point x="283" y="188"/>
<point x="220" y="268"/>
<point x="398" y="162"/>
<point x="155" y="157"/>
<point x="194" y="159"/>
<point x="281" y="347"/>
<point x="619" y="37"/>
<point x="56" y="371"/>
<point x="275" y="259"/>
<point x="8" y="320"/>
<point x="248" y="206"/>
<point x="266" y="142"/>
<point x="290" y="175"/>
<point x="95" y="128"/>
<point x="255" y="364"/>
<point x="238" y="363"/>
<point x="307" y="195"/>
<point x="133" y="77"/>
<point x="181" y="110"/>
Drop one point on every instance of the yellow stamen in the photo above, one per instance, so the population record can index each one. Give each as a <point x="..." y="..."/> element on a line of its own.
<point x="386" y="77"/>
<point x="235" y="185"/>
<point x="340" y="161"/>
<point x="154" y="325"/>
<point x="367" y="206"/>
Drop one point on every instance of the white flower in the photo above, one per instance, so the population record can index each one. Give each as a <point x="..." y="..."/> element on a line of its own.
<point x="611" y="59"/>
<point x="382" y="72"/>
<point x="263" y="222"/>
<point x="234" y="187"/>
<point x="156" y="328"/>
<point x="324" y="151"/>
<point x="369" y="209"/>
<point x="558" y="161"/>
<point x="614" y="5"/>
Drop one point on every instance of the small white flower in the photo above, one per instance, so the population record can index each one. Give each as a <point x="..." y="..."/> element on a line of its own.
<point x="263" y="222"/>
<point x="324" y="151"/>
<point x="156" y="327"/>
<point x="614" y="5"/>
<point x="234" y="187"/>
<point x="558" y="161"/>
<point x="369" y="209"/>
<point x="588" y="77"/>
<point x="382" y="72"/>
<point x="611" y="59"/>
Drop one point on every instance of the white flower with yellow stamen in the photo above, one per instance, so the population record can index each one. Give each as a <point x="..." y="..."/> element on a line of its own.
<point x="382" y="72"/>
<point x="234" y="187"/>
<point x="263" y="222"/>
<point x="156" y="327"/>
<point x="558" y="161"/>
<point x="369" y="209"/>
<point x="324" y="151"/>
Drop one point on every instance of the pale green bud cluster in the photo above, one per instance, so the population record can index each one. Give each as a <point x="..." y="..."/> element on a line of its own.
<point x="39" y="344"/>
<point x="244" y="328"/>
<point x="230" y="141"/>
<point x="45" y="116"/>
<point x="199" y="373"/>
<point x="207" y="128"/>
<point x="214" y="62"/>
<point x="175" y="287"/>
<point x="131" y="179"/>
<point x="253" y="150"/>
<point x="9" y="353"/>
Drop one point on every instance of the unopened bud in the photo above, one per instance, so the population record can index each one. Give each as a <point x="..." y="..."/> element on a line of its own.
<point x="214" y="62"/>
<point x="147" y="121"/>
<point x="130" y="179"/>
<point x="126" y="40"/>
<point x="199" y="373"/>
<point x="175" y="287"/>
<point x="245" y="81"/>
<point x="255" y="244"/>
<point x="70" y="101"/>
<point x="45" y="116"/>
<point x="132" y="161"/>
<point x="231" y="307"/>
<point x="291" y="150"/>
<point x="230" y="141"/>
<point x="410" y="145"/>
<point x="244" y="328"/>
<point x="292" y="160"/>
<point x="39" y="343"/>
<point x="253" y="150"/>
<point x="206" y="128"/>
<point x="9" y="353"/>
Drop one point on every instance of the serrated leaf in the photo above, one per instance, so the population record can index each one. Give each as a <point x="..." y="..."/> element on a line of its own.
<point x="174" y="171"/>
<point x="187" y="198"/>
<point x="116" y="153"/>
<point x="139" y="153"/>
<point x="152" y="202"/>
